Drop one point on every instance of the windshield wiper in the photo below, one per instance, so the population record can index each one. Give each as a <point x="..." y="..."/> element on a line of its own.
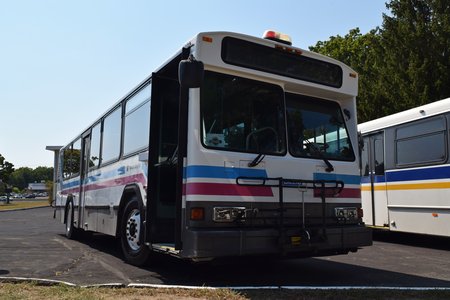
<point x="313" y="146"/>
<point x="259" y="158"/>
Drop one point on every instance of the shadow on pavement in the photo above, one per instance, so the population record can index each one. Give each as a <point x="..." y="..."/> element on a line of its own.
<point x="263" y="271"/>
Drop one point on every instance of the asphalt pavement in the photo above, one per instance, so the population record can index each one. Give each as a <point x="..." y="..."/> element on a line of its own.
<point x="33" y="245"/>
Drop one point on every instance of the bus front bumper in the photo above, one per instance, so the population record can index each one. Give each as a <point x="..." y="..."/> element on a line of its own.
<point x="205" y="244"/>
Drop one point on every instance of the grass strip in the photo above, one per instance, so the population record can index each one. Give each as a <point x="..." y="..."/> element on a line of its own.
<point x="35" y="290"/>
<point x="23" y="204"/>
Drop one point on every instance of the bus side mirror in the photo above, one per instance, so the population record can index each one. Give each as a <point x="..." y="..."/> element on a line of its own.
<point x="190" y="73"/>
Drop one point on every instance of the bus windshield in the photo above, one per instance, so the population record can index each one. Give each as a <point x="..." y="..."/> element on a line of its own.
<point x="242" y="115"/>
<point x="317" y="129"/>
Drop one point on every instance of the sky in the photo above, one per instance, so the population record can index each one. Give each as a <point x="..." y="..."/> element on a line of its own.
<point x="64" y="63"/>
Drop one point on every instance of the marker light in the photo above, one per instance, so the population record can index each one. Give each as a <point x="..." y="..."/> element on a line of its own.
<point x="207" y="39"/>
<point x="197" y="213"/>
<point x="277" y="36"/>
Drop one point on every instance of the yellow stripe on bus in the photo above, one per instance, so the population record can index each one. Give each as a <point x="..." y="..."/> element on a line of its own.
<point x="367" y="188"/>
<point x="408" y="186"/>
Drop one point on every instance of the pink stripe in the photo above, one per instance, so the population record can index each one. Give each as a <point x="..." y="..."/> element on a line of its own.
<point x="345" y="193"/>
<point x="71" y="191"/>
<point x="224" y="189"/>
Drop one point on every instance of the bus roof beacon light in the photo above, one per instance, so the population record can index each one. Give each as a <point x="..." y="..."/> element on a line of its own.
<point x="277" y="37"/>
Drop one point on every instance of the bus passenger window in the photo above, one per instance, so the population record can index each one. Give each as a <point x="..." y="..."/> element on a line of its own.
<point x="66" y="156"/>
<point x="94" y="159"/>
<point x="111" y="136"/>
<point x="136" y="129"/>
<point x="75" y="157"/>
<point x="419" y="135"/>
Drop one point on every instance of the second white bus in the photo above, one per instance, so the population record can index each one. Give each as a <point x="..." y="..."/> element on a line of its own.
<point x="406" y="170"/>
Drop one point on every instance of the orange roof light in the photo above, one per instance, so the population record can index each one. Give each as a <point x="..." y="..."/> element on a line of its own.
<point x="277" y="36"/>
<point x="207" y="39"/>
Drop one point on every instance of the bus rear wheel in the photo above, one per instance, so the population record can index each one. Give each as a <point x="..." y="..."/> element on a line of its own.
<point x="132" y="234"/>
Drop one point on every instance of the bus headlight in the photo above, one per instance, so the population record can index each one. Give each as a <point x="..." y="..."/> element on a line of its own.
<point x="346" y="214"/>
<point x="228" y="214"/>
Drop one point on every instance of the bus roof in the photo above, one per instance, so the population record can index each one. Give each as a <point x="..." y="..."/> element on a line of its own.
<point x="213" y="40"/>
<point x="412" y="114"/>
<point x="353" y="90"/>
<point x="269" y="42"/>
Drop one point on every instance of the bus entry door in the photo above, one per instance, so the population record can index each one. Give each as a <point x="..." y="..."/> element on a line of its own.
<point x="374" y="194"/>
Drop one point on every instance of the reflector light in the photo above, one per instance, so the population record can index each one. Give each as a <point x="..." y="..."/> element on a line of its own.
<point x="197" y="213"/>
<point x="360" y="213"/>
<point x="277" y="36"/>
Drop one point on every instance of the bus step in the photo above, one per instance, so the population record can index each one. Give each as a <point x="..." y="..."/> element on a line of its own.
<point x="165" y="248"/>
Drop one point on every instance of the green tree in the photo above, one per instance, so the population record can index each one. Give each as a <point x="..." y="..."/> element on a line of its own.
<point x="21" y="177"/>
<point x="404" y="63"/>
<point x="363" y="53"/>
<point x="43" y="174"/>
<point x="6" y="168"/>
<point x="416" y="42"/>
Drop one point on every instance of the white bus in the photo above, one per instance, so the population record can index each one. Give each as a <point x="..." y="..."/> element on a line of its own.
<point x="406" y="172"/>
<point x="215" y="154"/>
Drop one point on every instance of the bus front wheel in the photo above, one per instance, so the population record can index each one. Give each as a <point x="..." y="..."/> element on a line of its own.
<point x="132" y="234"/>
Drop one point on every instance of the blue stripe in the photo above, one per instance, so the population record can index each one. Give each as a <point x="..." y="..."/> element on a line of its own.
<point x="419" y="174"/>
<point x="222" y="172"/>
<point x="376" y="179"/>
<point x="99" y="176"/>
<point x="347" y="179"/>
<point x="75" y="183"/>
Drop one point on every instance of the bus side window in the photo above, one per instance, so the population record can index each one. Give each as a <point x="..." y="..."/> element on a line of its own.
<point x="365" y="158"/>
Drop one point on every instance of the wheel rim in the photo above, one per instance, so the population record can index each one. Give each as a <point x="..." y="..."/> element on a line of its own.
<point x="133" y="229"/>
<point x="69" y="218"/>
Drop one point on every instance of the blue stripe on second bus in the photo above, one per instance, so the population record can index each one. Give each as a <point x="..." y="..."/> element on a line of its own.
<point x="419" y="174"/>
<point x="440" y="172"/>
<point x="377" y="179"/>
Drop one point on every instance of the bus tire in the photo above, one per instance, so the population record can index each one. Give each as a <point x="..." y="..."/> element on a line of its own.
<point x="70" y="231"/>
<point x="132" y="234"/>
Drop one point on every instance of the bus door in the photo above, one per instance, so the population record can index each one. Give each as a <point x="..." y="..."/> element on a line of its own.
<point x="163" y="158"/>
<point x="374" y="194"/>
<point x="86" y="145"/>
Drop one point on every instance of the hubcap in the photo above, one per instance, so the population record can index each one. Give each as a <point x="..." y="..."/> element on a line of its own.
<point x="133" y="230"/>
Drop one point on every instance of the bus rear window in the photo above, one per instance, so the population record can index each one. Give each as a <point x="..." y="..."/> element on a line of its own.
<point x="259" y="57"/>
